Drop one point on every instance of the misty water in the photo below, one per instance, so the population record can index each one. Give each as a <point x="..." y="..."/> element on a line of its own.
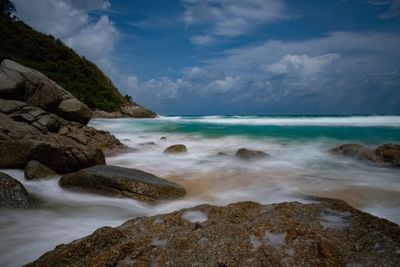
<point x="299" y="166"/>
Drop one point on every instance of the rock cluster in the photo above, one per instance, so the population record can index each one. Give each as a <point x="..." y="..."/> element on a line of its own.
<point x="244" y="153"/>
<point x="133" y="110"/>
<point x="41" y="121"/>
<point x="326" y="233"/>
<point x="387" y="155"/>
<point x="25" y="84"/>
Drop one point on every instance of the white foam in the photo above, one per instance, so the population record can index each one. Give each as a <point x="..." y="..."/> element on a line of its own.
<point x="334" y="219"/>
<point x="275" y="239"/>
<point x="392" y="121"/>
<point x="195" y="216"/>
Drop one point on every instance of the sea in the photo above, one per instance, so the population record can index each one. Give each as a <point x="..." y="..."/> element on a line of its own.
<point x="299" y="168"/>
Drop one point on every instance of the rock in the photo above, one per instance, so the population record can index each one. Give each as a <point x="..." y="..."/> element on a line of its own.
<point x="148" y="144"/>
<point x="12" y="193"/>
<point x="174" y="149"/>
<point x="107" y="115"/>
<point x="163" y="138"/>
<point x="62" y="158"/>
<point x="35" y="170"/>
<point x="353" y="150"/>
<point x="244" y="153"/>
<point x="11" y="84"/>
<point x="221" y="154"/>
<point x="73" y="110"/>
<point x="122" y="182"/>
<point x="327" y="233"/>
<point x="387" y="155"/>
<point x="135" y="110"/>
<point x="21" y="83"/>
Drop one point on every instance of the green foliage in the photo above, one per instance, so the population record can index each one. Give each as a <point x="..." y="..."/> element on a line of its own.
<point x="60" y="63"/>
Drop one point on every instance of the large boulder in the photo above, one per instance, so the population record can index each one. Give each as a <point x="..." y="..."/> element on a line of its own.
<point x="244" y="153"/>
<point x="35" y="170"/>
<point x="18" y="82"/>
<point x="122" y="182"/>
<point x="62" y="158"/>
<point x="327" y="233"/>
<point x="12" y="193"/>
<point x="174" y="149"/>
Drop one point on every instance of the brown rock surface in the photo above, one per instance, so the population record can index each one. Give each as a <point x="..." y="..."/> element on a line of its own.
<point x="328" y="233"/>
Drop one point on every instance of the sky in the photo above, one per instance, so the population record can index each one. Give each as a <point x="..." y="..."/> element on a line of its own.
<point x="239" y="57"/>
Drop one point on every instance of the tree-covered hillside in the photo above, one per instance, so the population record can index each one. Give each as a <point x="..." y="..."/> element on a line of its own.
<point x="83" y="79"/>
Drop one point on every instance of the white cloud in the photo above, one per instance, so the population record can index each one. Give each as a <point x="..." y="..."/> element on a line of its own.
<point x="202" y="40"/>
<point x="231" y="18"/>
<point x="301" y="64"/>
<point x="95" y="40"/>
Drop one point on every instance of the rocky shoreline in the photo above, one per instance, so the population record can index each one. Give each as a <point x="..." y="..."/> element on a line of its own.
<point x="43" y="130"/>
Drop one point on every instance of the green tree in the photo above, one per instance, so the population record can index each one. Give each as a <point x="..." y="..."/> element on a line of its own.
<point x="7" y="8"/>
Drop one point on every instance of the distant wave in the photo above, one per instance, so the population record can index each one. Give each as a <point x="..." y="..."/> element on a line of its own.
<point x="386" y="121"/>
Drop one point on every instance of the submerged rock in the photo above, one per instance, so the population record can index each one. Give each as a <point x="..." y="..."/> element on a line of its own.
<point x="35" y="170"/>
<point x="179" y="148"/>
<point x="244" y="153"/>
<point x="122" y="182"/>
<point x="387" y="155"/>
<point x="328" y="233"/>
<point x="12" y="193"/>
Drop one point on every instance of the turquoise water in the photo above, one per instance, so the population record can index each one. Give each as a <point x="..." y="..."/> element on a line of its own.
<point x="365" y="129"/>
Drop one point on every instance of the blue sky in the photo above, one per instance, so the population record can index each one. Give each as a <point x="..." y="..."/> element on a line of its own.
<point x="237" y="57"/>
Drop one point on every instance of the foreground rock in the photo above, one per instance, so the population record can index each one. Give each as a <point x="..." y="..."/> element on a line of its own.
<point x="122" y="182"/>
<point x="387" y="155"/>
<point x="12" y="193"/>
<point x="18" y="82"/>
<point x="174" y="149"/>
<point x="329" y="233"/>
<point x="244" y="153"/>
<point x="35" y="170"/>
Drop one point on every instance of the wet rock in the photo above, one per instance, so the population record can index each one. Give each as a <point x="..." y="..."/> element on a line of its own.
<point x="35" y="170"/>
<point x="387" y="155"/>
<point x="18" y="82"/>
<point x="163" y="138"/>
<point x="327" y="233"/>
<point x="12" y="193"/>
<point x="352" y="150"/>
<point x="122" y="182"/>
<point x="221" y="154"/>
<point x="244" y="153"/>
<point x="174" y="149"/>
